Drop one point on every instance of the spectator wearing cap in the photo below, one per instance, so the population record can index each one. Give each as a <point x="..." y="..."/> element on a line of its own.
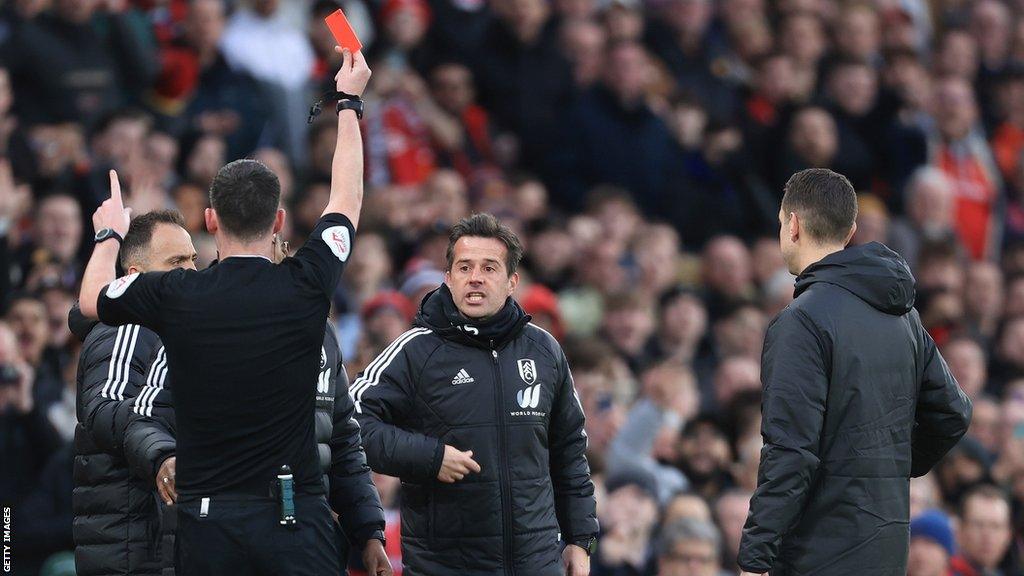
<point x="542" y="305"/>
<point x="932" y="545"/>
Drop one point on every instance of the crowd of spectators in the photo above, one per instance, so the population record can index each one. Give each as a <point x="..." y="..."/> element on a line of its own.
<point x="640" y="149"/>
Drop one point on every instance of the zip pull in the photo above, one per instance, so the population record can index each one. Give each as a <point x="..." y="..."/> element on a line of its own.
<point x="494" y="353"/>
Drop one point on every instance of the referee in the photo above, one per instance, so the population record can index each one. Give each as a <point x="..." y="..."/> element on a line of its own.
<point x="243" y="341"/>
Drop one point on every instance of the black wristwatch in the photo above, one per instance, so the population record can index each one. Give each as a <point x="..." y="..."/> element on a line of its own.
<point x="589" y="544"/>
<point x="351" y="104"/>
<point x="106" y="234"/>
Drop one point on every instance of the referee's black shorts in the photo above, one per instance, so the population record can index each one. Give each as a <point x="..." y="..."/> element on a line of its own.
<point x="240" y="536"/>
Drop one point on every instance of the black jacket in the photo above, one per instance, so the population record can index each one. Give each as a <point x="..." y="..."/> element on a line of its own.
<point x="116" y="526"/>
<point x="857" y="400"/>
<point x="502" y="389"/>
<point x="149" y="441"/>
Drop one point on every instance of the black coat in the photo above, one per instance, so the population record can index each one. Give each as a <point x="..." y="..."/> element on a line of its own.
<point x="150" y="439"/>
<point x="117" y="523"/>
<point x="857" y="400"/>
<point x="502" y="389"/>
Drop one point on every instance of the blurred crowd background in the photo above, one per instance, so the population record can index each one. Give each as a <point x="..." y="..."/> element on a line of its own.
<point x="639" y="147"/>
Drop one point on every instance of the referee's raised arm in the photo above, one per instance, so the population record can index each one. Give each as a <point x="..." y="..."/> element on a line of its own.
<point x="347" y="167"/>
<point x="111" y="222"/>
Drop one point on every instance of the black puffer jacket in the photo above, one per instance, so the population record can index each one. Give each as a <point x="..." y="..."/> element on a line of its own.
<point x="502" y="389"/>
<point x="117" y="522"/>
<point x="856" y="401"/>
<point x="150" y="440"/>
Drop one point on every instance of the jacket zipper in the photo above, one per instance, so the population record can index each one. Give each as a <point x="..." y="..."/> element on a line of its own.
<point x="506" y="483"/>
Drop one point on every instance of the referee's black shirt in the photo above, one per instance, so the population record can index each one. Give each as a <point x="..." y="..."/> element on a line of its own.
<point x="242" y="340"/>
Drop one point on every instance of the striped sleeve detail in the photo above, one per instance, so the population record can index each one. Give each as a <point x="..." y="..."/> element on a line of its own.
<point x="154" y="384"/>
<point x="120" y="362"/>
<point x="371" y="375"/>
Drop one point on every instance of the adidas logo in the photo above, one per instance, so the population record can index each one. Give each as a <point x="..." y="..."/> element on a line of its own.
<point x="462" y="377"/>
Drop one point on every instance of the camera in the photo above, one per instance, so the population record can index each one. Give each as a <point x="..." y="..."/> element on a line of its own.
<point x="9" y="375"/>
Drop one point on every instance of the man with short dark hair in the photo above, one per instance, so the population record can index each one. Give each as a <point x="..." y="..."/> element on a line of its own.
<point x="114" y="511"/>
<point x="475" y="410"/>
<point x="986" y="531"/>
<point x="243" y="341"/>
<point x="857" y="399"/>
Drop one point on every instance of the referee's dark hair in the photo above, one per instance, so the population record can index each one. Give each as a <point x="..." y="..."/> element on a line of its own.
<point x="135" y="247"/>
<point x="825" y="201"/>
<point x="246" y="195"/>
<point x="486" y="226"/>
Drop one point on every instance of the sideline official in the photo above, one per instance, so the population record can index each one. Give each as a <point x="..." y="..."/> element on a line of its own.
<point x="857" y="399"/>
<point x="475" y="411"/>
<point x="242" y="340"/>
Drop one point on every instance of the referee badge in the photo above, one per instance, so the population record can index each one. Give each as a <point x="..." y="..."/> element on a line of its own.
<point x="119" y="286"/>
<point x="338" y="240"/>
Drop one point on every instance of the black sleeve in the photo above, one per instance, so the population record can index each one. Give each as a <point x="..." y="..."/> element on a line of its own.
<point x="149" y="439"/>
<point x="353" y="496"/>
<point x="575" y="505"/>
<point x="114" y="367"/>
<point x="384" y="400"/>
<point x="794" y="374"/>
<point x="322" y="258"/>
<point x="943" y="412"/>
<point x="135" y="299"/>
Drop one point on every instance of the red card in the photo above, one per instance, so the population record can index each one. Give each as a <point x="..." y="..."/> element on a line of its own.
<point x="343" y="32"/>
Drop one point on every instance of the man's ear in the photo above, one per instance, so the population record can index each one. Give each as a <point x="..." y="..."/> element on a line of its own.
<point x="794" y="227"/>
<point x="212" y="225"/>
<point x="279" y="220"/>
<point x="513" y="281"/>
<point x="448" y="279"/>
<point x="853" y="232"/>
<point x="133" y="270"/>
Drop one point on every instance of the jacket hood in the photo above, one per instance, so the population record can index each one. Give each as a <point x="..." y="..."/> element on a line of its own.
<point x="439" y="313"/>
<point x="871" y="272"/>
<point x="80" y="325"/>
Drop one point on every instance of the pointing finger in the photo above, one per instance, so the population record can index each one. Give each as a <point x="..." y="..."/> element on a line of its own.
<point x="115" y="188"/>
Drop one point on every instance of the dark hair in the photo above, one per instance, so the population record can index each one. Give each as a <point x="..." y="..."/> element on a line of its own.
<point x="246" y="195"/>
<point x="486" y="226"/>
<point x="140" y="233"/>
<point x="825" y="201"/>
<point x="983" y="490"/>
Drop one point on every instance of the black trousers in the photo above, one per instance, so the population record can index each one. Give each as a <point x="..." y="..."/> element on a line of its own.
<point x="241" y="536"/>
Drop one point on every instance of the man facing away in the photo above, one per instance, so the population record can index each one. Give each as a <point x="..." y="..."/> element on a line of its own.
<point x="242" y="340"/>
<point x="475" y="410"/>
<point x="857" y="400"/>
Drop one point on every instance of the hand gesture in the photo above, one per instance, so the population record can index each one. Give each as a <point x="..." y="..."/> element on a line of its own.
<point x="165" y="481"/>
<point x="354" y="73"/>
<point x="576" y="561"/>
<point x="112" y="213"/>
<point x="456" y="465"/>
<point x="375" y="559"/>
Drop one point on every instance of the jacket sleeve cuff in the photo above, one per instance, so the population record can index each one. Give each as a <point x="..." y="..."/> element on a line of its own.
<point x="435" y="464"/>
